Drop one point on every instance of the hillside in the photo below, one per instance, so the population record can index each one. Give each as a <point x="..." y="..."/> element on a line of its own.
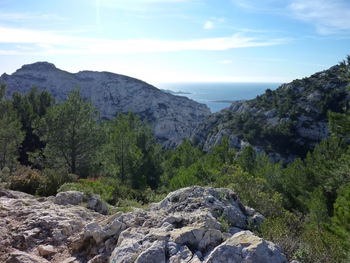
<point x="74" y="162"/>
<point x="172" y="117"/>
<point x="286" y="122"/>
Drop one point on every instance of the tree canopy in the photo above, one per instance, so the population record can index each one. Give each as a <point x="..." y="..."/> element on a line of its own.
<point x="71" y="133"/>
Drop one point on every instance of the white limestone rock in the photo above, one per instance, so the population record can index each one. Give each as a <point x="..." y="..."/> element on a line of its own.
<point x="155" y="253"/>
<point x="246" y="247"/>
<point x="96" y="203"/>
<point x="39" y="227"/>
<point x="183" y="227"/>
<point x="69" y="198"/>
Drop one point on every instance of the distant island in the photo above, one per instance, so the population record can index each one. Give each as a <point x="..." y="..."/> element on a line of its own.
<point x="224" y="101"/>
<point x="176" y="92"/>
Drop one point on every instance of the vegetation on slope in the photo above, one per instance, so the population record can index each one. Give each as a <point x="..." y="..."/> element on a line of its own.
<point x="48" y="148"/>
<point x="288" y="121"/>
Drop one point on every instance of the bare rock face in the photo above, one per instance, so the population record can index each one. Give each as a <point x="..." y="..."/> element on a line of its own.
<point x="172" y="117"/>
<point x="187" y="226"/>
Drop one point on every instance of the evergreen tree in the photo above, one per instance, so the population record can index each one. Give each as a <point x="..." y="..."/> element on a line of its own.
<point x="71" y="133"/>
<point x="247" y="159"/>
<point x="11" y="134"/>
<point x="317" y="205"/>
<point x="127" y="155"/>
<point x="296" y="187"/>
<point x="31" y="108"/>
<point x="131" y="153"/>
<point x="152" y="155"/>
<point x="224" y="152"/>
<point x="341" y="218"/>
<point x="179" y="161"/>
<point x="2" y="91"/>
<point x="270" y="171"/>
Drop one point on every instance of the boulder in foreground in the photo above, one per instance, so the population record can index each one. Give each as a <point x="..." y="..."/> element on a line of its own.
<point x="193" y="224"/>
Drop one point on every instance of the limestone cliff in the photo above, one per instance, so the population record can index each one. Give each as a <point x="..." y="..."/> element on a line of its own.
<point x="286" y="122"/>
<point x="186" y="226"/>
<point x="172" y="117"/>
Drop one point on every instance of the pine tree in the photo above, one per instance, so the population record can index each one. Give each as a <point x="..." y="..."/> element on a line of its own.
<point x="11" y="134"/>
<point x="341" y="218"/>
<point x="71" y="133"/>
<point x="31" y="108"/>
<point x="247" y="159"/>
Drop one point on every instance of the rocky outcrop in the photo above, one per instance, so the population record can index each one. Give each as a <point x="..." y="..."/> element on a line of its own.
<point x="172" y="117"/>
<point x="93" y="202"/>
<point x="245" y="247"/>
<point x="187" y="226"/>
<point x="285" y="123"/>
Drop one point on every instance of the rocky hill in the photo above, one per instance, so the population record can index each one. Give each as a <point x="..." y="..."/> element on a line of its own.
<point x="192" y="224"/>
<point x="286" y="122"/>
<point x="172" y="117"/>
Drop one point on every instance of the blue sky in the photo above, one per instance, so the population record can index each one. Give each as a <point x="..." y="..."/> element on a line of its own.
<point x="178" y="40"/>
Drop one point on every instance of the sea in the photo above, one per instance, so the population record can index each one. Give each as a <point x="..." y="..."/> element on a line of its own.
<point x="218" y="96"/>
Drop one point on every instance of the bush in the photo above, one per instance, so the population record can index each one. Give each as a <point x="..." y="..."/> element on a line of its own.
<point x="185" y="177"/>
<point x="253" y="191"/>
<point x="5" y="174"/>
<point x="321" y="245"/>
<point x="127" y="205"/>
<point x="91" y="186"/>
<point x="113" y="191"/>
<point x="52" y="180"/>
<point x="25" y="179"/>
<point x="301" y="241"/>
<point x="284" y="231"/>
<point x="45" y="183"/>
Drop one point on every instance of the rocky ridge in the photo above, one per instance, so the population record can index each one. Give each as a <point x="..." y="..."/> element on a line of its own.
<point x="193" y="224"/>
<point x="172" y="117"/>
<point x="286" y="122"/>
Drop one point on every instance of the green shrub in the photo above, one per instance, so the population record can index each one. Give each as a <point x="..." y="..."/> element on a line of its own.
<point x="69" y="187"/>
<point x="25" y="179"/>
<point x="127" y="205"/>
<point x="5" y="174"/>
<point x="51" y="180"/>
<point x="91" y="186"/>
<point x="253" y="191"/>
<point x="284" y="231"/>
<point x="115" y="193"/>
<point x="45" y="183"/>
<point x="224" y="224"/>
<point x="321" y="245"/>
<point x="301" y="241"/>
<point x="151" y="196"/>
<point x="185" y="177"/>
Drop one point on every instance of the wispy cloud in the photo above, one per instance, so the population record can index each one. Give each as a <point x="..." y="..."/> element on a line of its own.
<point x="329" y="17"/>
<point x="208" y="25"/>
<point x="51" y="42"/>
<point x="262" y="6"/>
<point x="213" y="22"/>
